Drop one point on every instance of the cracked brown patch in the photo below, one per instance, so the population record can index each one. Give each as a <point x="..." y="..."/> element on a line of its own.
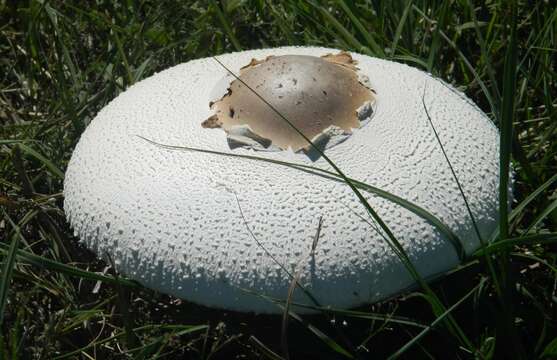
<point x="314" y="93"/>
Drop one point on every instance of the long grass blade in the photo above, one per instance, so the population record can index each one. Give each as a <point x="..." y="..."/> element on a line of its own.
<point x="393" y="242"/>
<point x="7" y="273"/>
<point x="453" y="172"/>
<point x="518" y="210"/>
<point x="347" y="36"/>
<point x="507" y="332"/>
<point x="265" y="351"/>
<point x="42" y="262"/>
<point x="541" y="217"/>
<point x="508" y="244"/>
<point x="378" y="51"/>
<point x="399" y="29"/>
<point x="421" y="212"/>
<point x="439" y="318"/>
<point x="322" y="336"/>
<point x="226" y="26"/>
<point x="49" y="164"/>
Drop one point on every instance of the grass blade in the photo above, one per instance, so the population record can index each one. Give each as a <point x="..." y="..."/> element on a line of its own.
<point x="7" y="273"/>
<point x="322" y="336"/>
<point x="439" y="318"/>
<point x="506" y="123"/>
<point x="435" y="41"/>
<point x="42" y="262"/>
<point x="399" y="29"/>
<point x="507" y="244"/>
<point x="361" y="28"/>
<point x="455" y="177"/>
<point x="421" y="212"/>
<point x="507" y="332"/>
<point x="49" y="164"/>
<point x="545" y="213"/>
<point x="392" y="242"/>
<point x="265" y="351"/>
<point x="345" y="33"/>
<point x="226" y="26"/>
<point x="524" y="203"/>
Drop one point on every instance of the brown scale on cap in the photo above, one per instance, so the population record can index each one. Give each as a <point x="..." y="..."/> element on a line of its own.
<point x="313" y="93"/>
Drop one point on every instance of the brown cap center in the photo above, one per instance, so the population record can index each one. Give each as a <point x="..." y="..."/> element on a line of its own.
<point x="313" y="93"/>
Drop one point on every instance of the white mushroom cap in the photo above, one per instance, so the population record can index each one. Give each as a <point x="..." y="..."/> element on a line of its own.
<point x="170" y="219"/>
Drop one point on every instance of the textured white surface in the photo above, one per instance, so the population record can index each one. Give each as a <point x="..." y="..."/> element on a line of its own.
<point x="170" y="219"/>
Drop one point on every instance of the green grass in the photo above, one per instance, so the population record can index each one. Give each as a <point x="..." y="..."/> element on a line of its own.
<point x="62" y="61"/>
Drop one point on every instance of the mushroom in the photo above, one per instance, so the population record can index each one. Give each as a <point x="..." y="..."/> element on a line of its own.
<point x="216" y="230"/>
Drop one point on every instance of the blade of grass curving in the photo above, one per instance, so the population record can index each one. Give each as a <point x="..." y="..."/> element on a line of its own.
<point x="49" y="164"/>
<point x="265" y="351"/>
<point x="322" y="336"/>
<point x="524" y="203"/>
<point x="140" y="71"/>
<point x="9" y="141"/>
<point x="535" y="258"/>
<point x="345" y="33"/>
<point x="7" y="273"/>
<point x="510" y="243"/>
<point x="42" y="262"/>
<point x="361" y="28"/>
<point x="294" y="283"/>
<point x="399" y="29"/>
<point x="421" y="212"/>
<point x="389" y="318"/>
<point x="461" y="190"/>
<point x="440" y="318"/>
<point x="545" y="213"/>
<point x="393" y="242"/>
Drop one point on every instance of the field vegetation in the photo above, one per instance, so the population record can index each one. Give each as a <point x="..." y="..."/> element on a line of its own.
<point x="62" y="61"/>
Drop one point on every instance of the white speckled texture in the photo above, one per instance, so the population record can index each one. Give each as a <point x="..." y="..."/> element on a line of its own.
<point x="170" y="219"/>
